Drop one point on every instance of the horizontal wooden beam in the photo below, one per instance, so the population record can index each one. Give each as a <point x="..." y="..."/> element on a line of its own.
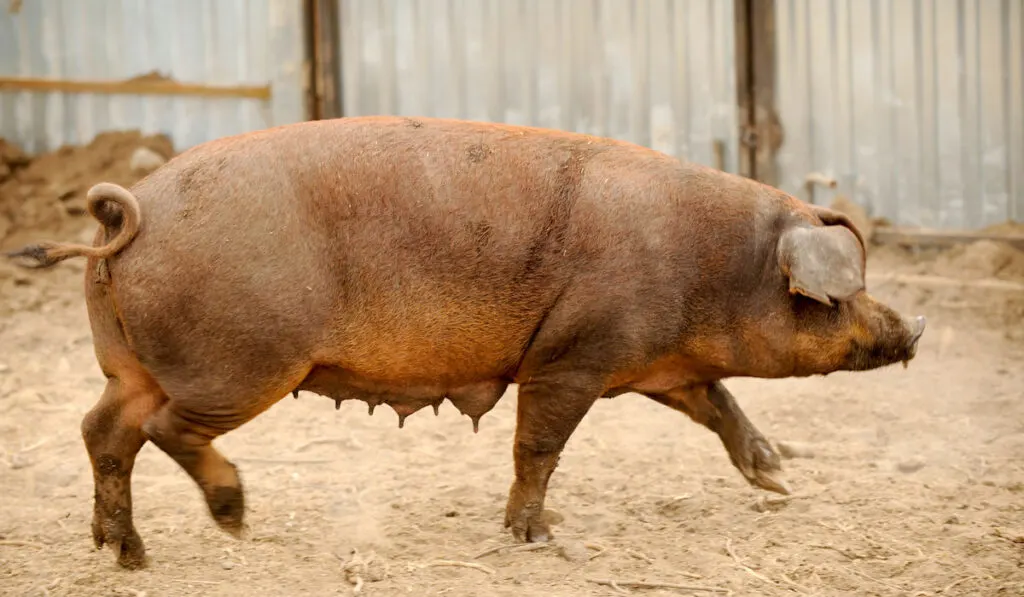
<point x="882" y="279"/>
<point x="921" y="237"/>
<point x="138" y="86"/>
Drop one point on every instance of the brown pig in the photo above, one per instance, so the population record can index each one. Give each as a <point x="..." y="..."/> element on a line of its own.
<point x="404" y="261"/>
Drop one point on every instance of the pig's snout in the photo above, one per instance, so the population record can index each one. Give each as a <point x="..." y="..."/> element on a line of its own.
<point x="916" y="328"/>
<point x="882" y="336"/>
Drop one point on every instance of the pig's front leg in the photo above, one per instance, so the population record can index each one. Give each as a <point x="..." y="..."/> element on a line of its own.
<point x="548" y="413"/>
<point x="714" y="407"/>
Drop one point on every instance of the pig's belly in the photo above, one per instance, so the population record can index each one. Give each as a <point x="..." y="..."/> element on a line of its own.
<point x="430" y="342"/>
<point x="418" y="356"/>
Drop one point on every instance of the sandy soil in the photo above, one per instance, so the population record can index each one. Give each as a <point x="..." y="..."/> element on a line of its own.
<point x="911" y="483"/>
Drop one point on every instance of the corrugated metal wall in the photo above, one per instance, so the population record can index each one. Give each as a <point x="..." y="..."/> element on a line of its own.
<point x="659" y="73"/>
<point x="223" y="42"/>
<point x="915" y="106"/>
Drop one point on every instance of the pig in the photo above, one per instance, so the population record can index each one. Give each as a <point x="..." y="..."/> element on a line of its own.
<point x="405" y="261"/>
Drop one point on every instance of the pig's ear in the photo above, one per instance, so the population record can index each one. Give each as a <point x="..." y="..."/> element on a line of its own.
<point x="822" y="262"/>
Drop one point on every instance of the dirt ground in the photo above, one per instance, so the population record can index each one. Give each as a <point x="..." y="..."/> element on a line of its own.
<point x="910" y="482"/>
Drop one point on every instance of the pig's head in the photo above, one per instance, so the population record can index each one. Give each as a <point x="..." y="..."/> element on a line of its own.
<point x="837" y="325"/>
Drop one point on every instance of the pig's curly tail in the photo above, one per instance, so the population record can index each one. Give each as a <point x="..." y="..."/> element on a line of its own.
<point x="114" y="206"/>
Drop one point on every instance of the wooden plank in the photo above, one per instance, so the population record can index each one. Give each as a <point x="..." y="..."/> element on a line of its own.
<point x="139" y="86"/>
<point x="943" y="282"/>
<point x="922" y="237"/>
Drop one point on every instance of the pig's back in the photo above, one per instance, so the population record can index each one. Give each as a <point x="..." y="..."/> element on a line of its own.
<point x="434" y="241"/>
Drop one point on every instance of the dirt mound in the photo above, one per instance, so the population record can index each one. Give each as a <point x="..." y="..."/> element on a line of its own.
<point x="857" y="214"/>
<point x="977" y="284"/>
<point x="981" y="259"/>
<point x="46" y="193"/>
<point x="1006" y="228"/>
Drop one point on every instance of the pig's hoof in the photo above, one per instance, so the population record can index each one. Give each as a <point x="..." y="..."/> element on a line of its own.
<point x="127" y="544"/>
<point x="772" y="481"/>
<point x="530" y="531"/>
<point x="528" y="524"/>
<point x="227" y="506"/>
<point x="131" y="553"/>
<point x="761" y="466"/>
<point x="98" y="536"/>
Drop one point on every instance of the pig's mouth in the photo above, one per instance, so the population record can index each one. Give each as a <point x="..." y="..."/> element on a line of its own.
<point x="899" y="349"/>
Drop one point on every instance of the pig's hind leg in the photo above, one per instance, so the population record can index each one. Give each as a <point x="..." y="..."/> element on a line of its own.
<point x="714" y="407"/>
<point x="112" y="432"/>
<point x="201" y="408"/>
<point x="186" y="437"/>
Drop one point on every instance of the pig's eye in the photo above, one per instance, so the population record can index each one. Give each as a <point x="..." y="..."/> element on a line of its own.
<point x="807" y="308"/>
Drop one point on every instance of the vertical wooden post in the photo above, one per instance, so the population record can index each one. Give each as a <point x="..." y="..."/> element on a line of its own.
<point x="323" y="50"/>
<point x="760" y="133"/>
<point x="766" y="118"/>
<point x="744" y="84"/>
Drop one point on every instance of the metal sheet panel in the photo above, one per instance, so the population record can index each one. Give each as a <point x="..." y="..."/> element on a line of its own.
<point x="222" y="42"/>
<point x="916" y="107"/>
<point x="655" y="72"/>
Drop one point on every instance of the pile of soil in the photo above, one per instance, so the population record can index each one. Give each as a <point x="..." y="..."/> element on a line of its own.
<point x="46" y="193"/>
<point x="981" y="282"/>
<point x="981" y="259"/>
<point x="1006" y="228"/>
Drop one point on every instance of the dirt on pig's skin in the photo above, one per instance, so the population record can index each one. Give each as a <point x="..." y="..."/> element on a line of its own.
<point x="916" y="486"/>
